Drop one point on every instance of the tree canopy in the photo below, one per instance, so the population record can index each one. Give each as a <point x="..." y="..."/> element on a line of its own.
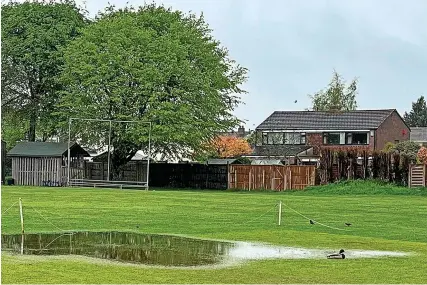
<point x="417" y="117"/>
<point x="337" y="96"/>
<point x="151" y="64"/>
<point x="230" y="147"/>
<point x="32" y="36"/>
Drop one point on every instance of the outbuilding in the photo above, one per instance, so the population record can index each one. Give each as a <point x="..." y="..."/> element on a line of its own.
<point x="45" y="163"/>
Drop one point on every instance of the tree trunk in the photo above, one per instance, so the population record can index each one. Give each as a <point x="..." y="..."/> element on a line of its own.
<point x="33" y="123"/>
<point x="33" y="112"/>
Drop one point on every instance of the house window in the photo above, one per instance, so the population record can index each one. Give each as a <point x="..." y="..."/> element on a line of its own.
<point x="264" y="138"/>
<point x="292" y="138"/>
<point x="303" y="138"/>
<point x="278" y="138"/>
<point x="359" y="138"/>
<point x="275" y="138"/>
<point x="332" y="138"/>
<point x="349" y="139"/>
<point x="345" y="138"/>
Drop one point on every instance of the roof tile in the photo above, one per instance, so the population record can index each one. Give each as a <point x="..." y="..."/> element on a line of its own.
<point x="316" y="120"/>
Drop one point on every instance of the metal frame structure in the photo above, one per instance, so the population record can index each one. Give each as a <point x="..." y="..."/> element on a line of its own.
<point x="97" y="182"/>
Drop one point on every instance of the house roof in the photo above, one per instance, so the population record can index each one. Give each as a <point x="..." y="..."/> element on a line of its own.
<point x="46" y="149"/>
<point x="325" y="120"/>
<point x="279" y="150"/>
<point x="419" y="134"/>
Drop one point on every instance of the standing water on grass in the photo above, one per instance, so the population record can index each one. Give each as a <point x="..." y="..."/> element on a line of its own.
<point x="162" y="250"/>
<point x="127" y="247"/>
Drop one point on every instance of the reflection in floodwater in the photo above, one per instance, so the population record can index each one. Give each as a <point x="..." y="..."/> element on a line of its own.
<point x="163" y="250"/>
<point x="119" y="246"/>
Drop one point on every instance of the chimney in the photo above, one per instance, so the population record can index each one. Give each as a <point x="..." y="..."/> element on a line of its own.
<point x="241" y="131"/>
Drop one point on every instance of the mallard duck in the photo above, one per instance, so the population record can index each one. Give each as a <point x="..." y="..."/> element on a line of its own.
<point x="339" y="255"/>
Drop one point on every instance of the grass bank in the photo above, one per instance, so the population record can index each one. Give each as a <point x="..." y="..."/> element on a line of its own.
<point x="380" y="220"/>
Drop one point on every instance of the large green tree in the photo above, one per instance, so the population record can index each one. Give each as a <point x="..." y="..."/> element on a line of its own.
<point x="337" y="96"/>
<point x="150" y="64"/>
<point x="417" y="117"/>
<point x="32" y="34"/>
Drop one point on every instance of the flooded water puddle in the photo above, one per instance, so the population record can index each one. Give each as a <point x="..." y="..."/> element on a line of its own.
<point x="162" y="250"/>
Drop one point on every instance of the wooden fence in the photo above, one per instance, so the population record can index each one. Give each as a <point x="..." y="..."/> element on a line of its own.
<point x="188" y="175"/>
<point x="132" y="171"/>
<point x="417" y="175"/>
<point x="271" y="177"/>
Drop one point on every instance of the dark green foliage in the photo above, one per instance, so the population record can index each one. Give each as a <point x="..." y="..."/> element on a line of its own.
<point x="417" y="117"/>
<point x="404" y="169"/>
<point x="375" y="165"/>
<point x="408" y="148"/>
<point x="355" y="164"/>
<point x="33" y="34"/>
<point x="325" y="166"/>
<point x="397" y="168"/>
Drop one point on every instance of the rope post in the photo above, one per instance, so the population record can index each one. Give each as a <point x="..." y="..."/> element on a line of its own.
<point x="22" y="243"/>
<point x="109" y="155"/>
<point x="68" y="152"/>
<point x="22" y="215"/>
<point x="280" y="213"/>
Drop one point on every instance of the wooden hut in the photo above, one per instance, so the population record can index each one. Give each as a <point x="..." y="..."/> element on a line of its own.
<point x="45" y="163"/>
<point x="3" y="161"/>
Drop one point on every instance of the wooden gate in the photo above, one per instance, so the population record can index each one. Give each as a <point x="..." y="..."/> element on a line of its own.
<point x="417" y="175"/>
<point x="270" y="177"/>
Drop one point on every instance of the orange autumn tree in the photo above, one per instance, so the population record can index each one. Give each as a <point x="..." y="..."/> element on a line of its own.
<point x="228" y="147"/>
<point x="422" y="155"/>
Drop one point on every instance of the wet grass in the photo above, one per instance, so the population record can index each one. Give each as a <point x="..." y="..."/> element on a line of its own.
<point x="381" y="220"/>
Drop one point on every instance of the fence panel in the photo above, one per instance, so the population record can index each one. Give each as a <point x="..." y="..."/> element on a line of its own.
<point x="270" y="177"/>
<point x="417" y="175"/>
<point x="187" y="175"/>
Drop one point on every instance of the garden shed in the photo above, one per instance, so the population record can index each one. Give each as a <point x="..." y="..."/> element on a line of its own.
<point x="45" y="163"/>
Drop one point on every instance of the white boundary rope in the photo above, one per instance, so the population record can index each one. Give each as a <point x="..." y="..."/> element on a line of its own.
<point x="47" y="219"/>
<point x="312" y="219"/>
<point x="256" y="218"/>
<point x="9" y="208"/>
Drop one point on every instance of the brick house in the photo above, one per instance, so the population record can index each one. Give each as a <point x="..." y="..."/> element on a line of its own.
<point x="288" y="135"/>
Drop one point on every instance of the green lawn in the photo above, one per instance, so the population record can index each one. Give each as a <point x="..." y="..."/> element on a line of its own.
<point x="391" y="219"/>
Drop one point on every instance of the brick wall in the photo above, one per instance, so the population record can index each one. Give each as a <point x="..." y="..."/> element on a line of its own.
<point x="314" y="139"/>
<point x="391" y="130"/>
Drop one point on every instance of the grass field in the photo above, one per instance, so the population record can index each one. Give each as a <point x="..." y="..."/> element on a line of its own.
<point x="384" y="217"/>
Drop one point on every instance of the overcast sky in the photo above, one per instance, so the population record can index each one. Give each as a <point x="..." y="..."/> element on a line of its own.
<point x="292" y="46"/>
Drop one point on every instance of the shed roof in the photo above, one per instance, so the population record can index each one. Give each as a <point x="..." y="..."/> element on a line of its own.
<point x="45" y="149"/>
<point x="419" y="134"/>
<point x="266" y="162"/>
<point x="221" y="161"/>
<point x="325" y="120"/>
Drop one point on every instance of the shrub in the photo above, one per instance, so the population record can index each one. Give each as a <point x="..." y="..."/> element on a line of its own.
<point x="408" y="148"/>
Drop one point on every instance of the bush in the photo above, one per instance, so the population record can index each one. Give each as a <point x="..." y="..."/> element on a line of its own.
<point x="409" y="149"/>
